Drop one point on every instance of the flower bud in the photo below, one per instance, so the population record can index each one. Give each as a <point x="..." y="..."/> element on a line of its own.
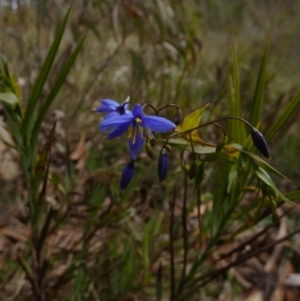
<point x="163" y="164"/>
<point x="260" y="142"/>
<point x="193" y="171"/>
<point x="127" y="175"/>
<point x="149" y="150"/>
<point x="168" y="147"/>
<point x="153" y="141"/>
<point x="221" y="144"/>
<point x="178" y="118"/>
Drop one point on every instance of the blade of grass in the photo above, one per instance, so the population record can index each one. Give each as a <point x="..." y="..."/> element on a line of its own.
<point x="42" y="77"/>
<point x="236" y="129"/>
<point x="258" y="98"/>
<point x="13" y="123"/>
<point x="59" y="82"/>
<point x="284" y="116"/>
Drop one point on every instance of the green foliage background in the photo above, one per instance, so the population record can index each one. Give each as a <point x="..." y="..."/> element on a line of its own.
<point x="160" y="52"/>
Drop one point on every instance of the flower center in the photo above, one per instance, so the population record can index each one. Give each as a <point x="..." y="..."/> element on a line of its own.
<point x="138" y="120"/>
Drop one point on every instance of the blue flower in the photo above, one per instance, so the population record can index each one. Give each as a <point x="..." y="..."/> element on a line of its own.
<point x="113" y="108"/>
<point x="139" y="127"/>
<point x="127" y="175"/>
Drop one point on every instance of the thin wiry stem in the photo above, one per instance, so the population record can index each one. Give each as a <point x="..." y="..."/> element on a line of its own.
<point x="184" y="233"/>
<point x="171" y="236"/>
<point x="222" y="128"/>
<point x="206" y="124"/>
<point x="198" y="195"/>
<point x="208" y="277"/>
<point x="150" y="106"/>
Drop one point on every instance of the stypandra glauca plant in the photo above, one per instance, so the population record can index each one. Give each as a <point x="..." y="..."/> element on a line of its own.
<point x="235" y="171"/>
<point x="25" y="117"/>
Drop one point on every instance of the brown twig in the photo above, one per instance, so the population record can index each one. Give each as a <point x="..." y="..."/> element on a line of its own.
<point x="171" y="237"/>
<point x="184" y="233"/>
<point x="208" y="277"/>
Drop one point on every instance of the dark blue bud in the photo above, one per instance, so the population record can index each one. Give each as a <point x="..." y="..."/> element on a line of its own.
<point x="260" y="142"/>
<point x="178" y="118"/>
<point x="127" y="175"/>
<point x="163" y="164"/>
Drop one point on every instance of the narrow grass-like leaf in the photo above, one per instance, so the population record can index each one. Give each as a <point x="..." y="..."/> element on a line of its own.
<point x="42" y="77"/>
<point x="258" y="98"/>
<point x="265" y="177"/>
<point x="9" y="97"/>
<point x="79" y="283"/>
<point x="293" y="195"/>
<point x="219" y="180"/>
<point x="262" y="163"/>
<point x="14" y="124"/>
<point x="236" y="129"/>
<point x="199" y="149"/>
<point x="54" y="91"/>
<point x="284" y="116"/>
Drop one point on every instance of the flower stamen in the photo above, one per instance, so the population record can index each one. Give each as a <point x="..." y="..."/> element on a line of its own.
<point x="138" y="120"/>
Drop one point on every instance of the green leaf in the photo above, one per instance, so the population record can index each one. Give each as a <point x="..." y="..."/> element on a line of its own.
<point x="199" y="149"/>
<point x="42" y="77"/>
<point x="265" y="177"/>
<point x="284" y="116"/>
<point x="262" y="163"/>
<point x="232" y="176"/>
<point x="219" y="182"/>
<point x="14" y="124"/>
<point x="56" y="87"/>
<point x="293" y="195"/>
<point x="79" y="284"/>
<point x="237" y="131"/>
<point x="258" y="98"/>
<point x="190" y="122"/>
<point x="10" y="98"/>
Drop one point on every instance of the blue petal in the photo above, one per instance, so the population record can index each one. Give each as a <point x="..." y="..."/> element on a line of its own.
<point x="127" y="175"/>
<point x="116" y="121"/>
<point x="158" y="124"/>
<point x="137" y="111"/>
<point x="128" y="112"/>
<point x="111" y="114"/>
<point x="125" y="104"/>
<point x="134" y="148"/>
<point x="116" y="114"/>
<point x="105" y="109"/>
<point x="109" y="102"/>
<point x="118" y="131"/>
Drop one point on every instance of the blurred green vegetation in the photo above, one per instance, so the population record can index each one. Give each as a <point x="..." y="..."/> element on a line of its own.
<point x="160" y="52"/>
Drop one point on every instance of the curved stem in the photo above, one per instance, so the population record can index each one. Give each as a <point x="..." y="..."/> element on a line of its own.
<point x="223" y="130"/>
<point x="167" y="106"/>
<point x="209" y="123"/>
<point x="152" y="107"/>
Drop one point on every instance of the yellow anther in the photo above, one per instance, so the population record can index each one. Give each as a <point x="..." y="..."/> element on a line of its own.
<point x="148" y="134"/>
<point x="138" y="120"/>
<point x="130" y="132"/>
